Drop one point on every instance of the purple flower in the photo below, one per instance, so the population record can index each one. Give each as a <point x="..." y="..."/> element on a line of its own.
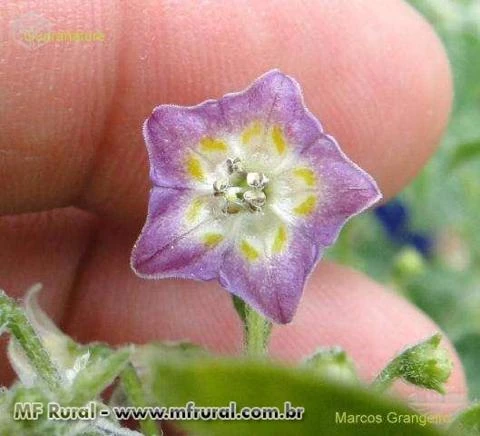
<point x="248" y="190"/>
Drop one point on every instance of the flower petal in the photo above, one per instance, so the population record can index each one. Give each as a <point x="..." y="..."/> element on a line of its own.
<point x="270" y="121"/>
<point x="181" y="237"/>
<point x="271" y="284"/>
<point x="273" y="98"/>
<point x="200" y="157"/>
<point x="185" y="143"/>
<point x="343" y="190"/>
<point x="173" y="135"/>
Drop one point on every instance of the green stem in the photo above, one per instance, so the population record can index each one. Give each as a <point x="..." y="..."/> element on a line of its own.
<point x="386" y="378"/>
<point x="136" y="396"/>
<point x="20" y="328"/>
<point x="257" y="333"/>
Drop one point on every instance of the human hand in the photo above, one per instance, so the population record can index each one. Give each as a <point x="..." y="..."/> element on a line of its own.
<point x="373" y="72"/>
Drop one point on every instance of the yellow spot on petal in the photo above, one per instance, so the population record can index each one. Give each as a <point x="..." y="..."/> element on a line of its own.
<point x="253" y="130"/>
<point x="306" y="207"/>
<point x="194" y="168"/>
<point x="211" y="240"/>
<point x="280" y="240"/>
<point x="306" y="174"/>
<point x="193" y="211"/>
<point x="279" y="140"/>
<point x="249" y="252"/>
<point x="212" y="145"/>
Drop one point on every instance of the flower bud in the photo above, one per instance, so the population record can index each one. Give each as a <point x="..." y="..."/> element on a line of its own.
<point x="409" y="263"/>
<point x="426" y="364"/>
<point x="333" y="363"/>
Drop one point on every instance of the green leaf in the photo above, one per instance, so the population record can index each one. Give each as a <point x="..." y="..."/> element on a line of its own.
<point x="98" y="374"/>
<point x="35" y="353"/>
<point x="467" y="423"/>
<point x="145" y="357"/>
<point x="463" y="154"/>
<point x="217" y="382"/>
<point x="137" y="397"/>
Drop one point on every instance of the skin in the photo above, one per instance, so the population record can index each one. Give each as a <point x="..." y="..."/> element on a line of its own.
<point x="372" y="70"/>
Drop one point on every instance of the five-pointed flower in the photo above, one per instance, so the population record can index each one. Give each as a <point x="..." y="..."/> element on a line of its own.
<point x="248" y="190"/>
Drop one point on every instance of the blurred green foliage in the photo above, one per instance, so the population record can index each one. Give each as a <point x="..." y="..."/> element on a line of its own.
<point x="443" y="200"/>
<point x="216" y="382"/>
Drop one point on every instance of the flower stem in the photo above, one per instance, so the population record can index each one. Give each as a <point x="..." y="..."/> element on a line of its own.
<point x="257" y="333"/>
<point x="136" y="396"/>
<point x="256" y="328"/>
<point x="386" y="378"/>
<point x="14" y="319"/>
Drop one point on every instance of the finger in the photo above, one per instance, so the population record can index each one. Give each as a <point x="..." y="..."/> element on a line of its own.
<point x="45" y="247"/>
<point x="340" y="307"/>
<point x="362" y="66"/>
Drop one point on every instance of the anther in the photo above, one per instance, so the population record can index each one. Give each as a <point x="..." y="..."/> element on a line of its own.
<point x="257" y="180"/>
<point x="234" y="166"/>
<point x="220" y="186"/>
<point x="255" y="199"/>
<point x="240" y="190"/>
<point x="233" y="194"/>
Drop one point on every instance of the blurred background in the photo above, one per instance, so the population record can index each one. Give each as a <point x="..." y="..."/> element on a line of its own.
<point x="426" y="242"/>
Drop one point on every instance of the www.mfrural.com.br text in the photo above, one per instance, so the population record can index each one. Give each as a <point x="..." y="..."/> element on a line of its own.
<point x="190" y="411"/>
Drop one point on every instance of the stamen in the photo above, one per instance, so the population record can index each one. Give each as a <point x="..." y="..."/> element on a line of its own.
<point x="240" y="191"/>
<point x="255" y="199"/>
<point x="220" y="186"/>
<point x="257" y="180"/>
<point x="234" y="194"/>
<point x="234" y="166"/>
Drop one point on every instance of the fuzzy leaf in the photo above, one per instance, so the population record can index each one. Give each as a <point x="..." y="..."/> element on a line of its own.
<point x="97" y="375"/>
<point x="467" y="423"/>
<point x="216" y="382"/>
